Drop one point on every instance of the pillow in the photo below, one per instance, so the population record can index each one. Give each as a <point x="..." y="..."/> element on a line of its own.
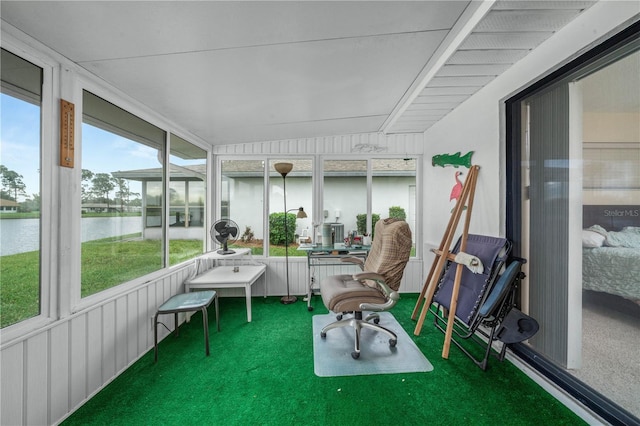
<point x="599" y="229"/>
<point x="592" y="239"/>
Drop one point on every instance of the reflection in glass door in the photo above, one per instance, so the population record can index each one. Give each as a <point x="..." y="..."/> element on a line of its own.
<point x="611" y="232"/>
<point x="579" y="179"/>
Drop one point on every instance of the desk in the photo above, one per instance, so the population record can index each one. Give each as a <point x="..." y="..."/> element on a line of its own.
<point x="225" y="277"/>
<point x="329" y="256"/>
<point x="187" y="302"/>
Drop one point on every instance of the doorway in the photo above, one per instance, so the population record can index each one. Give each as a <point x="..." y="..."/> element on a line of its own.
<point x="573" y="172"/>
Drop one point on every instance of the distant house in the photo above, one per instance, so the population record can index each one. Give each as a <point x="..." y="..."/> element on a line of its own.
<point x="186" y="212"/>
<point x="98" y="208"/>
<point x="8" y="206"/>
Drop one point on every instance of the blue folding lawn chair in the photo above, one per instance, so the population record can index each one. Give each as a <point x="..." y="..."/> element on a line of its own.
<point x="484" y="300"/>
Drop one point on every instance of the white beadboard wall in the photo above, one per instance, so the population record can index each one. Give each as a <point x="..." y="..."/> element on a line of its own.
<point x="49" y="373"/>
<point x="365" y="143"/>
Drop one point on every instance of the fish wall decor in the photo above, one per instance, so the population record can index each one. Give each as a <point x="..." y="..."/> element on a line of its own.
<point x="455" y="160"/>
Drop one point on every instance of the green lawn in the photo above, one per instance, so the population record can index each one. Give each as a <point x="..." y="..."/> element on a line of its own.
<point x="105" y="264"/>
<point x="19" y="287"/>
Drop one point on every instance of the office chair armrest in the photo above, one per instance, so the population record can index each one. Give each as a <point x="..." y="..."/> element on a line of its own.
<point x="391" y="295"/>
<point x="355" y="260"/>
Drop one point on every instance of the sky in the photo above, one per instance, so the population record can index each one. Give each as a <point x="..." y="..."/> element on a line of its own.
<point x="103" y="152"/>
<point x="20" y="140"/>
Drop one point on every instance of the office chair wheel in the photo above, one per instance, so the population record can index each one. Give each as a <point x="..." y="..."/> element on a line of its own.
<point x="310" y="308"/>
<point x="393" y="343"/>
<point x="355" y="355"/>
<point x="323" y="334"/>
<point x="339" y="317"/>
<point x="376" y="321"/>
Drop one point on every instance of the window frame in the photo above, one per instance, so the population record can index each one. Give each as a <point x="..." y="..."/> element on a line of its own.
<point x="205" y="207"/>
<point x="369" y="178"/>
<point x="49" y="191"/>
<point x="76" y="302"/>
<point x="272" y="174"/>
<point x="60" y="193"/>
<point x="317" y="184"/>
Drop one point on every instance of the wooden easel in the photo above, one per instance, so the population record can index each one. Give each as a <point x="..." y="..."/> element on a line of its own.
<point x="443" y="253"/>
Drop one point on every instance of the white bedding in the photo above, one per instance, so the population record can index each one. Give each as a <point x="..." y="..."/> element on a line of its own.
<point x="614" y="267"/>
<point x="614" y="270"/>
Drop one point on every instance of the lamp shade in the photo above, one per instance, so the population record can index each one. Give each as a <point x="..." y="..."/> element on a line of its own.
<point x="283" y="168"/>
<point x="301" y="213"/>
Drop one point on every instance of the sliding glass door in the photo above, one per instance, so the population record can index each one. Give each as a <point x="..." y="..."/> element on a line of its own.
<point x="574" y="213"/>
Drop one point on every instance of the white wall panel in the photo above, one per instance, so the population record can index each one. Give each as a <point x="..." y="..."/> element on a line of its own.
<point x="108" y="341"/>
<point x="36" y="378"/>
<point x="133" y="319"/>
<point x="59" y="375"/>
<point x="120" y="338"/>
<point x="78" y="359"/>
<point x="275" y="277"/>
<point x="50" y="373"/>
<point x="144" y="338"/>
<point x="161" y="294"/>
<point x="94" y="349"/>
<point x="375" y="143"/>
<point x="12" y="385"/>
<point x="414" y="276"/>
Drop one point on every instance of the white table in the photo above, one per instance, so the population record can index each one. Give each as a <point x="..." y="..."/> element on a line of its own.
<point x="225" y="277"/>
<point x="239" y="253"/>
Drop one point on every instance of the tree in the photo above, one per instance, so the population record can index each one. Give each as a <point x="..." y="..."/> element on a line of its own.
<point x="103" y="184"/>
<point x="397" y="212"/>
<point x="361" y="223"/>
<point x="12" y="183"/>
<point x="276" y="228"/>
<point x="123" y="192"/>
<point x="87" y="176"/>
<point x="31" y="204"/>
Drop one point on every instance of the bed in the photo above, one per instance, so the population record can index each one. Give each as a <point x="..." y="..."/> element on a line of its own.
<point x="611" y="250"/>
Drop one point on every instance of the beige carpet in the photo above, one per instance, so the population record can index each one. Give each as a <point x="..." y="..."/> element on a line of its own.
<point x="611" y="349"/>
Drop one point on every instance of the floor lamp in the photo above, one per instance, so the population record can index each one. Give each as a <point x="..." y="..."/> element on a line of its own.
<point x="284" y="169"/>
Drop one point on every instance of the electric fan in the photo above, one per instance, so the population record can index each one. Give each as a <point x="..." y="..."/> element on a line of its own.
<point x="224" y="231"/>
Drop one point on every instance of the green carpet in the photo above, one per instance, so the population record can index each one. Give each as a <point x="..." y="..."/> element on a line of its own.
<point x="262" y="373"/>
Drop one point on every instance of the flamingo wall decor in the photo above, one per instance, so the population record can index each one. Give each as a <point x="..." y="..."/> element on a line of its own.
<point x="456" y="160"/>
<point x="457" y="188"/>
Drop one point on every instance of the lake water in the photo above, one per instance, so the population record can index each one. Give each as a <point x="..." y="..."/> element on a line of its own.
<point x="21" y="235"/>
